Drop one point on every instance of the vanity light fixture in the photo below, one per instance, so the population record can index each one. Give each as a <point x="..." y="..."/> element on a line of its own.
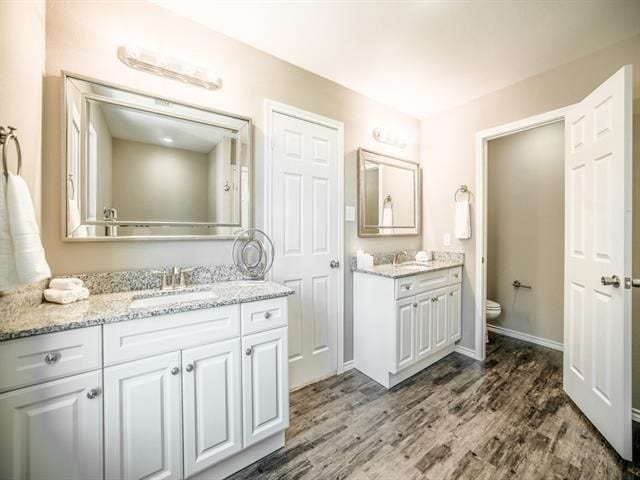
<point x="389" y="137"/>
<point x="158" y="64"/>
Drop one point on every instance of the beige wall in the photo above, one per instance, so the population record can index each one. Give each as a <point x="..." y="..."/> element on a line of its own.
<point x="154" y="182"/>
<point x="22" y="51"/>
<point x="82" y="37"/>
<point x="526" y="230"/>
<point x="448" y="156"/>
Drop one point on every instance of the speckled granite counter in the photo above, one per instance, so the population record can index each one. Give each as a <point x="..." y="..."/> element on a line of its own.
<point x="384" y="267"/>
<point x="115" y="307"/>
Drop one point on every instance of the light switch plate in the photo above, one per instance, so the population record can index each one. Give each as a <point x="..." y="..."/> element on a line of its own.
<point x="349" y="214"/>
<point x="446" y="239"/>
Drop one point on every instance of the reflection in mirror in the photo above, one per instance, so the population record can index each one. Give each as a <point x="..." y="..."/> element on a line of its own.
<point x="389" y="195"/>
<point x="139" y="166"/>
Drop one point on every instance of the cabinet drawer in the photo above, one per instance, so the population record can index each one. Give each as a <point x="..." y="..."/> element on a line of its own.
<point x="26" y="361"/>
<point x="455" y="275"/>
<point x="145" y="337"/>
<point x="264" y="315"/>
<point x="423" y="282"/>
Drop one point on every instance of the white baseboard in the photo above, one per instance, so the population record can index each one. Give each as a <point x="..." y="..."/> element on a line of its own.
<point x="635" y="414"/>
<point x="526" y="337"/>
<point x="347" y="365"/>
<point x="469" y="352"/>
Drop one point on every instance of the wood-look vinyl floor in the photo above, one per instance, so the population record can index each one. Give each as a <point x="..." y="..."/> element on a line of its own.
<point x="458" y="419"/>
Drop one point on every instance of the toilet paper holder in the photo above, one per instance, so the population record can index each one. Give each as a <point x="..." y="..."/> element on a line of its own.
<point x="517" y="284"/>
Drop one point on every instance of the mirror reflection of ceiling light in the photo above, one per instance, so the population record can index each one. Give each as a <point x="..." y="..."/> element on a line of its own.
<point x="158" y="64"/>
<point x="389" y="137"/>
<point x="167" y="139"/>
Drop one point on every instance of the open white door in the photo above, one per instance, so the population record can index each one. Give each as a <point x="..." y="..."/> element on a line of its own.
<point x="597" y="299"/>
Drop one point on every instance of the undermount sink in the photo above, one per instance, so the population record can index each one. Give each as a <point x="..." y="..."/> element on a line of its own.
<point x="413" y="265"/>
<point x="172" y="297"/>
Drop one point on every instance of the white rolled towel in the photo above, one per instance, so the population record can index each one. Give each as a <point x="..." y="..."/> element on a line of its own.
<point x="81" y="292"/>
<point x="62" y="297"/>
<point x="65" y="283"/>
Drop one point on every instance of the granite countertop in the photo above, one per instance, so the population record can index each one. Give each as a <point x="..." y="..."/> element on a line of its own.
<point x="407" y="269"/>
<point x="106" y="308"/>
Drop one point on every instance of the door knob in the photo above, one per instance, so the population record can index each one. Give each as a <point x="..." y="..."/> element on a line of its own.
<point x="631" y="282"/>
<point x="614" y="281"/>
<point x="334" y="263"/>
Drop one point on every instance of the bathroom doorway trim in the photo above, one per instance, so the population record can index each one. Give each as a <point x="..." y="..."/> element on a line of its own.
<point x="482" y="139"/>
<point x="270" y="108"/>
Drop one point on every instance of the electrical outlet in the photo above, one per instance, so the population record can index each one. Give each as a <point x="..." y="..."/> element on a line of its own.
<point x="446" y="239"/>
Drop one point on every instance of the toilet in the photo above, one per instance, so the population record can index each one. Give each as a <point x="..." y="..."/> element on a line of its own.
<point x="492" y="310"/>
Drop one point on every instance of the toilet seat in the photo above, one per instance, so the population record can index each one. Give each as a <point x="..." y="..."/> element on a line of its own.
<point x="491" y="305"/>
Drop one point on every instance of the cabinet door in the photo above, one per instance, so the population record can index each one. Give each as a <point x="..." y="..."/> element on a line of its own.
<point x="405" y="331"/>
<point x="454" y="313"/>
<point x="439" y="315"/>
<point x="212" y="407"/>
<point x="424" y="325"/>
<point x="53" y="431"/>
<point x="264" y="384"/>
<point x="143" y="419"/>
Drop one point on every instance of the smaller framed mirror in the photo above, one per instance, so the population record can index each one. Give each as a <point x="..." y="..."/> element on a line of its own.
<point x="388" y="195"/>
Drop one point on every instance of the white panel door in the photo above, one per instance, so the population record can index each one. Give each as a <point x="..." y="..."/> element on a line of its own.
<point x="143" y="418"/>
<point x="424" y="325"/>
<point x="597" y="327"/>
<point x="440" y="320"/>
<point x="265" y="394"/>
<point x="454" y="312"/>
<point x="405" y="332"/>
<point x="305" y="232"/>
<point x="211" y="404"/>
<point x="52" y="431"/>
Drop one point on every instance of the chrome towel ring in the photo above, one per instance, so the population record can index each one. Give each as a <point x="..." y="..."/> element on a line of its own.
<point x="464" y="190"/>
<point x="5" y="136"/>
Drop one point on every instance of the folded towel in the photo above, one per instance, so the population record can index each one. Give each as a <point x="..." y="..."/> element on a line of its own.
<point x="65" y="283"/>
<point x="60" y="296"/>
<point x="31" y="264"/>
<point x="81" y="292"/>
<point x="8" y="274"/>
<point x="462" y="220"/>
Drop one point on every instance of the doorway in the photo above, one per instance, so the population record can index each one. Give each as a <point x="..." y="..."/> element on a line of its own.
<point x="304" y="158"/>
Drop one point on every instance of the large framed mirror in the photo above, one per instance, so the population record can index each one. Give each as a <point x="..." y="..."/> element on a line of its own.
<point x="388" y="195"/>
<point x="143" y="167"/>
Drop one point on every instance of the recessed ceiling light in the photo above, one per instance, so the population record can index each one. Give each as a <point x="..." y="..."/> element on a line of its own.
<point x="167" y="139"/>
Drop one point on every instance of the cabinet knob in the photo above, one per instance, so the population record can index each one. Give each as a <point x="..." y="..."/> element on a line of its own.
<point x="407" y="287"/>
<point x="248" y="351"/>
<point x="175" y="371"/>
<point x="189" y="367"/>
<point x="51" y="358"/>
<point x="93" y="393"/>
<point x="267" y="314"/>
<point x="451" y="294"/>
<point x="415" y="305"/>
<point x="455" y="275"/>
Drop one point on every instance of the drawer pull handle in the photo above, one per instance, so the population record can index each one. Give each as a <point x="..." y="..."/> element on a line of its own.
<point x="93" y="393"/>
<point x="189" y="367"/>
<point x="51" y="358"/>
<point x="248" y="351"/>
<point x="267" y="315"/>
<point x="175" y="371"/>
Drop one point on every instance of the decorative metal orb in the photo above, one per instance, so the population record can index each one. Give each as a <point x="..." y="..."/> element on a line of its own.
<point x="253" y="253"/>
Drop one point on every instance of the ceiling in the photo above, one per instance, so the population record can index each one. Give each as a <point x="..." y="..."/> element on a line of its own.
<point x="420" y="57"/>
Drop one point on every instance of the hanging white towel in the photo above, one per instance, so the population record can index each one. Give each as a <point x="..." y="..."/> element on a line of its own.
<point x="74" y="225"/>
<point x="462" y="220"/>
<point x="8" y="274"/>
<point x="387" y="220"/>
<point x="30" y="263"/>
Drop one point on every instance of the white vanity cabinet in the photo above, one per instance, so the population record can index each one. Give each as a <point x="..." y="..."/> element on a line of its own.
<point x="404" y="325"/>
<point x="199" y="393"/>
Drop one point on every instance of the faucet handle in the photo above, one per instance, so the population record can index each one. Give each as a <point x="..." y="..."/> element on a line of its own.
<point x="163" y="276"/>
<point x="183" y="282"/>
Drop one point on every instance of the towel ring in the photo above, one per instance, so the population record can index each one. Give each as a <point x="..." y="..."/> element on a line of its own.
<point x="463" y="189"/>
<point x="4" y="141"/>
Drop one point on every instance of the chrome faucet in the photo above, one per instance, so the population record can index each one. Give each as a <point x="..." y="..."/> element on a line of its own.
<point x="174" y="280"/>
<point x="397" y="256"/>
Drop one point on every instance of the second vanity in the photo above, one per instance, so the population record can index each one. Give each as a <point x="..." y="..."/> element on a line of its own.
<point x="406" y="317"/>
<point x="191" y="389"/>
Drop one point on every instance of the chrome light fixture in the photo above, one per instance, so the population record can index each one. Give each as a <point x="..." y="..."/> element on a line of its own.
<point x="158" y="64"/>
<point x="383" y="135"/>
